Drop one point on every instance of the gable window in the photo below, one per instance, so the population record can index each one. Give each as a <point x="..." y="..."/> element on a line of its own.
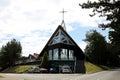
<point x="61" y="37"/>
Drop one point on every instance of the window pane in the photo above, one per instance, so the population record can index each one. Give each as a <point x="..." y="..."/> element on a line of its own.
<point x="71" y="55"/>
<point x="50" y="54"/>
<point x="63" y="54"/>
<point x="55" y="54"/>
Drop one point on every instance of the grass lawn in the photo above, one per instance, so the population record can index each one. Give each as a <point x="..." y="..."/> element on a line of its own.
<point x="92" y="68"/>
<point x="18" y="69"/>
<point x="1" y="76"/>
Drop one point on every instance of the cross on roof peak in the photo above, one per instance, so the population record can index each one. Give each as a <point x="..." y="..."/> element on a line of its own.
<point x="63" y="22"/>
<point x="63" y="11"/>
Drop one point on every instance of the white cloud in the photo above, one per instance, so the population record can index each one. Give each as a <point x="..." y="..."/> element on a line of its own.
<point x="82" y="45"/>
<point x="33" y="44"/>
<point x="21" y="18"/>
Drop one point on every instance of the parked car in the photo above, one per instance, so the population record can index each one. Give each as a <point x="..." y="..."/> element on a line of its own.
<point x="34" y="70"/>
<point x="43" y="70"/>
<point x="52" y="70"/>
<point x="66" y="69"/>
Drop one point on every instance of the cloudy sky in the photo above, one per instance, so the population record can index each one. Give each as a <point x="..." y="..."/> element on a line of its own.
<point x="32" y="22"/>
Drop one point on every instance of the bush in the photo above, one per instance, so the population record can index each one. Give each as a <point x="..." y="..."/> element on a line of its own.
<point x="45" y="61"/>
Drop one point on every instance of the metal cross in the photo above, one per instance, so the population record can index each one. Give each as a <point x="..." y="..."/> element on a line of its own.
<point x="63" y="22"/>
<point x="63" y="13"/>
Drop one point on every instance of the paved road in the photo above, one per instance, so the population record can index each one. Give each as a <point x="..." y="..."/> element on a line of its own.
<point x="104" y="75"/>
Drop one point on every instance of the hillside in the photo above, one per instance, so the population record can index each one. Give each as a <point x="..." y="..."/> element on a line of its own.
<point x="1" y="76"/>
<point x="90" y="68"/>
<point x="17" y="69"/>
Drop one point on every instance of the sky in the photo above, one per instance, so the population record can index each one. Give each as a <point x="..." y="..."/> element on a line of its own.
<point x="32" y="22"/>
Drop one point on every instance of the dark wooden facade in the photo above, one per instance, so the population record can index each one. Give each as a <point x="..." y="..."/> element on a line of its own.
<point x="64" y="41"/>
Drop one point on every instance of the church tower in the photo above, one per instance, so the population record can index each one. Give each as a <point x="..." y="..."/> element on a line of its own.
<point x="62" y="50"/>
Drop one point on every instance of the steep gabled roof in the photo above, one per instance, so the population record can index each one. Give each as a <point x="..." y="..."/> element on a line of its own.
<point x="34" y="56"/>
<point x="59" y="36"/>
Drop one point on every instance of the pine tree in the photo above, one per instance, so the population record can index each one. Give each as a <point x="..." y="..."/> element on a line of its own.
<point x="10" y="52"/>
<point x="45" y="61"/>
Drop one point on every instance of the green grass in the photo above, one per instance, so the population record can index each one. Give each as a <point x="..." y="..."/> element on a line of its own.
<point x="17" y="69"/>
<point x="92" y="68"/>
<point x="1" y="76"/>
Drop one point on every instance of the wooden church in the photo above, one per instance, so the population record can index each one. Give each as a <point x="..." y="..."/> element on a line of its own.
<point x="62" y="50"/>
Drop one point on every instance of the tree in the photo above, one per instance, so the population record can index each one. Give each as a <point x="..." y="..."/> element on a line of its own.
<point x="113" y="59"/>
<point x="10" y="52"/>
<point x="96" y="47"/>
<point x="45" y="61"/>
<point x="109" y="9"/>
<point x="3" y="57"/>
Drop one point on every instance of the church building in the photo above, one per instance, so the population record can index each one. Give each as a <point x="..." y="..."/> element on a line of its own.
<point x="62" y="50"/>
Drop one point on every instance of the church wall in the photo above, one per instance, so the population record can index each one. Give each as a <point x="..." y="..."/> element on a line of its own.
<point x="80" y="66"/>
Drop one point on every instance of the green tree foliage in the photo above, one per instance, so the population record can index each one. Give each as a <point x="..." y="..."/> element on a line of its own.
<point x="109" y="9"/>
<point x="10" y="52"/>
<point x="113" y="59"/>
<point x="96" y="47"/>
<point x="3" y="57"/>
<point x="45" y="61"/>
